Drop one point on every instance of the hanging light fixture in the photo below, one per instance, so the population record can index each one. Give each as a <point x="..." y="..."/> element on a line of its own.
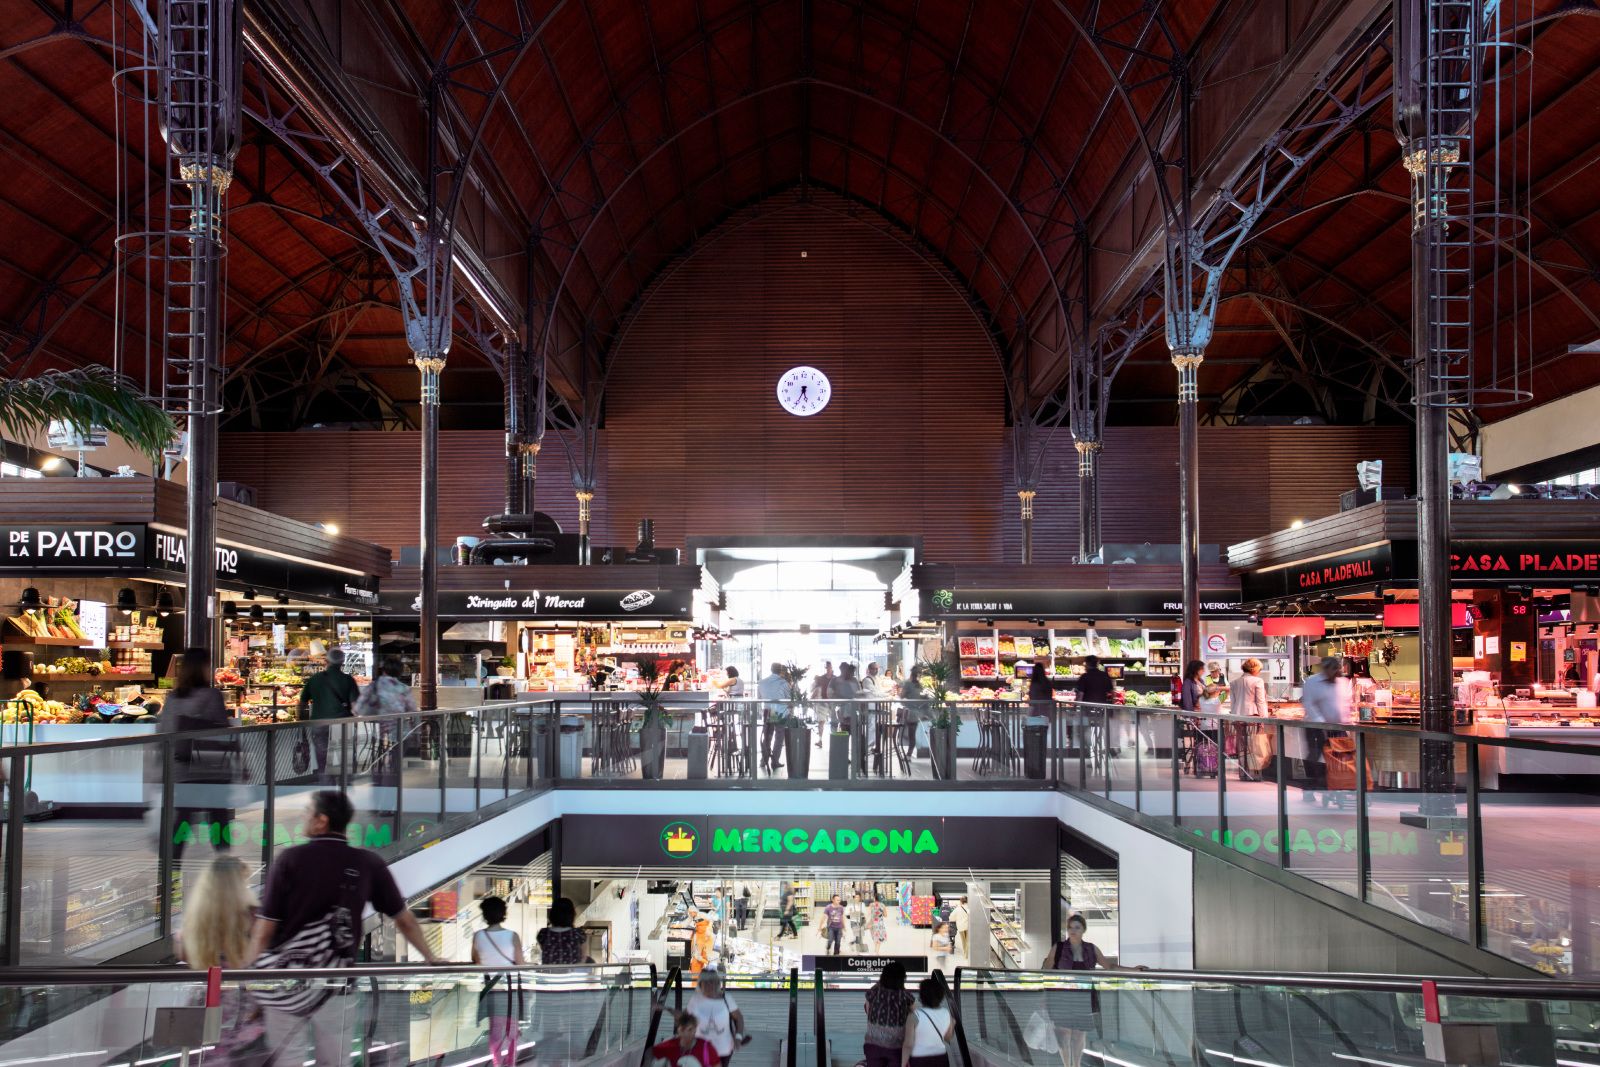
<point x="164" y="604"/>
<point x="230" y="609"/>
<point x="257" y="613"/>
<point x="281" y="616"/>
<point x="127" y="601"/>
<point x="305" y="620"/>
<point x="31" y="598"/>
<point x="249" y="592"/>
<point x="283" y="598"/>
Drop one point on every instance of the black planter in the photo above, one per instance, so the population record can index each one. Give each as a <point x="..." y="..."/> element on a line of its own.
<point x="942" y="743"/>
<point x="797" y="750"/>
<point x="652" y="750"/>
<point x="838" y="756"/>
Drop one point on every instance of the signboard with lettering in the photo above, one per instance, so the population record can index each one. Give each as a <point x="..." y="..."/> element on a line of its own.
<point x="1556" y="563"/>
<point x="110" y="549"/>
<point x="1369" y="566"/>
<point x="75" y="547"/>
<point x="525" y="603"/>
<point x="891" y="842"/>
<point x="1068" y="603"/>
<point x="872" y="965"/>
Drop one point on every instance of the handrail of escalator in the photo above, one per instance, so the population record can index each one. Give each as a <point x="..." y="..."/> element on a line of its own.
<point x="159" y="974"/>
<point x="624" y="981"/>
<point x="1008" y="1018"/>
<point x="955" y="1013"/>
<point x="794" y="1015"/>
<point x="658" y="1003"/>
<point x="820" y="1023"/>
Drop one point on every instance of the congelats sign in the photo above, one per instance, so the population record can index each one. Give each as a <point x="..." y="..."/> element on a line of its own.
<point x="794" y="841"/>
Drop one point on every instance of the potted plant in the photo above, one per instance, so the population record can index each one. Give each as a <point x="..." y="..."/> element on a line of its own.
<point x="944" y="720"/>
<point x="796" y="731"/>
<point x="656" y="675"/>
<point x="508" y="667"/>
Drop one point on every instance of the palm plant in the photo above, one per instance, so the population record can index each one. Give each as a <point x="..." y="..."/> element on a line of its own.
<point x="794" y="678"/>
<point x="84" y="397"/>
<point x="657" y="675"/>
<point x="935" y="676"/>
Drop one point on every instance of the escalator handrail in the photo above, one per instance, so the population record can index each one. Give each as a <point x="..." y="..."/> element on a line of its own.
<point x="156" y="975"/>
<point x="794" y="1015"/>
<point x="624" y="982"/>
<point x="955" y="1013"/>
<point x="819" y="1021"/>
<point x="1008" y="1018"/>
<point x="658" y="1004"/>
<point x="1538" y="989"/>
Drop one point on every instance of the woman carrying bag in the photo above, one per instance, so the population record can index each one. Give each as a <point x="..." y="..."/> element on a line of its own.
<point x="501" y="1000"/>
<point x="928" y="1028"/>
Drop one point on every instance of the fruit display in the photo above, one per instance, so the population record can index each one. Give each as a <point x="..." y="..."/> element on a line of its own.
<point x="981" y="669"/>
<point x="1148" y="700"/>
<point x="1062" y="650"/>
<point x="1025" y="647"/>
<point x="969" y="646"/>
<point x="229" y="676"/>
<point x="985" y="646"/>
<point x="72" y="665"/>
<point x="1008" y="646"/>
<point x="1008" y="670"/>
<point x="1065" y="670"/>
<point x="38" y="711"/>
<point x="278" y="676"/>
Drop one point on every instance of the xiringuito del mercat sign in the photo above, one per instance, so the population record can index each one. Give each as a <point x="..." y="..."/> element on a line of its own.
<point x="821" y="841"/>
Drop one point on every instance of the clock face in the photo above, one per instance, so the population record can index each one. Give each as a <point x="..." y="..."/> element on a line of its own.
<point x="804" y="390"/>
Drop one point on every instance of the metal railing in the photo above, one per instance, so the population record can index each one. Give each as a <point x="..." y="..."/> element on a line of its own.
<point x="398" y="1014"/>
<point x="91" y="889"/>
<point x="1491" y="863"/>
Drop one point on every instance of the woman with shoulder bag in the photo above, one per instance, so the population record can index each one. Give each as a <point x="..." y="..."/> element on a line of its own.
<point x="1077" y="1011"/>
<point x="216" y="933"/>
<point x="928" y="1028"/>
<point x="501" y="1000"/>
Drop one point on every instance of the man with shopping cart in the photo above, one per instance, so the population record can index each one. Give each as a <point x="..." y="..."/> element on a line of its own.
<point x="1324" y="697"/>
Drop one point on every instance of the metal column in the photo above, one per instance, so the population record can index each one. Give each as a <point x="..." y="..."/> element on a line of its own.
<point x="1088" y="499"/>
<point x="1187" y="361"/>
<point x="1025" y="497"/>
<point x="200" y="54"/>
<point x="431" y="367"/>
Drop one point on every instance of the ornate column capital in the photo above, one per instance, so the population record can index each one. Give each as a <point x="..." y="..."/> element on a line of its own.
<point x="1026" y="496"/>
<point x="1187" y="361"/>
<point x="1086" y="447"/>
<point x="431" y="367"/>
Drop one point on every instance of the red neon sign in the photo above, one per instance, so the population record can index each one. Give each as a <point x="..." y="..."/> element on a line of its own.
<point x="1294" y="626"/>
<point x="1408" y="616"/>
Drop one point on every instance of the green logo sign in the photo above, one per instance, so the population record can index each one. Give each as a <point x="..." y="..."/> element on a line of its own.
<point x="874" y="842"/>
<point x="680" y="840"/>
<point x="944" y="598"/>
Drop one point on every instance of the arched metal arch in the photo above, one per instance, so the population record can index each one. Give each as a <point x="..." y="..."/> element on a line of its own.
<point x="554" y="299"/>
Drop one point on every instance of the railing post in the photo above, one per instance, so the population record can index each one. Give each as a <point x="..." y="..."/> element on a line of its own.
<point x="441" y="749"/>
<point x="164" y="845"/>
<point x="505" y="755"/>
<point x="1474" y="847"/>
<point x="394" y="763"/>
<point x="1223" y="728"/>
<point x="1177" y="718"/>
<point x="1363" y="828"/>
<point x="1105" y="749"/>
<point x="1138" y="763"/>
<point x="17" y="788"/>
<point x="1280" y="767"/>
<point x="269" y="804"/>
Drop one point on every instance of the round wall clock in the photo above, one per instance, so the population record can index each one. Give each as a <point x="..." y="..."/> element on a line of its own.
<point x="804" y="390"/>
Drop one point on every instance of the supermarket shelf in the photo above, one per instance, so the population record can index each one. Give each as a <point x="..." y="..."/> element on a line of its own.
<point x="149" y="646"/>
<point x="24" y="641"/>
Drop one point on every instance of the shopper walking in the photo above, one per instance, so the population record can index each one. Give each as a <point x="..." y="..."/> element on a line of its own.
<point x="928" y="1028"/>
<point x="960" y="916"/>
<point x="388" y="694"/>
<point x="329" y="694"/>
<point x="773" y="692"/>
<point x="879" y="917"/>
<point x="561" y="943"/>
<point x="887" y="1005"/>
<point x="720" y="1021"/>
<point x="822" y="684"/>
<point x="1322" y="697"/>
<point x="857" y="914"/>
<point x="1094" y="685"/>
<point x="1248" y="692"/>
<point x="685" y="1044"/>
<point x="942" y="942"/>
<point x="833" y="924"/>
<point x="786" y="919"/>
<point x="311" y="917"/>
<point x="202" y="772"/>
<point x="500" y="1002"/>
<point x="217" y="918"/>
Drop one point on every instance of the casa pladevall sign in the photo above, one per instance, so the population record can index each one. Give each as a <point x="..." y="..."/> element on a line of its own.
<point x="790" y="841"/>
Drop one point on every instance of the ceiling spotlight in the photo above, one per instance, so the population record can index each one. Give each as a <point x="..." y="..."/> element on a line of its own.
<point x="257" y="613"/>
<point x="127" y="601"/>
<point x="50" y="463"/>
<point x="283" y="598"/>
<point x="249" y="592"/>
<point x="281" y="616"/>
<point x="230" y="609"/>
<point x="1296" y="524"/>
<point x="164" y="603"/>
<point x="305" y="620"/>
<point x="330" y="528"/>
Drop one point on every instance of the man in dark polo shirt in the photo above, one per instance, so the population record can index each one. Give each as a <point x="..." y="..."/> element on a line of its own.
<point x="307" y="884"/>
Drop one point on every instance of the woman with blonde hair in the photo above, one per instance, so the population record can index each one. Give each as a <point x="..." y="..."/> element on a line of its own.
<point x="217" y="918"/>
